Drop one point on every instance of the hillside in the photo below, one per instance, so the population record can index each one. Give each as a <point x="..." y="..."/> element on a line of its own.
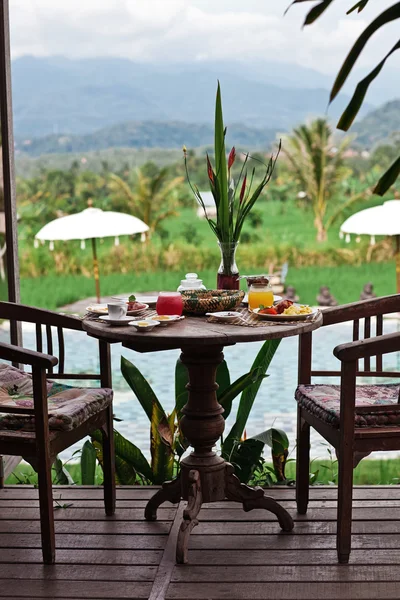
<point x="146" y="134"/>
<point x="64" y="96"/>
<point x="379" y="126"/>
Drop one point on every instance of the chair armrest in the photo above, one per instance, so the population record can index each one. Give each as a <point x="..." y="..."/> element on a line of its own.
<point x="361" y="309"/>
<point x="30" y="314"/>
<point x="26" y="357"/>
<point x="382" y="344"/>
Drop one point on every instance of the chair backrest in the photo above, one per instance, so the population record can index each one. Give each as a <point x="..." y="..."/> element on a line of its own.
<point x="47" y="324"/>
<point x="367" y="317"/>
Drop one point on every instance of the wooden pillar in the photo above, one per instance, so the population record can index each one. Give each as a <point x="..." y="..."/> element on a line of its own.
<point x="7" y="138"/>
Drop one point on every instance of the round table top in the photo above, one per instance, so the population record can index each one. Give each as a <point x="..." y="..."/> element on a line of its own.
<point x="194" y="331"/>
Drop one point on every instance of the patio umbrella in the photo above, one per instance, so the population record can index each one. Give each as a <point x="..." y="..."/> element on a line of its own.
<point x="91" y="223"/>
<point x="379" y="220"/>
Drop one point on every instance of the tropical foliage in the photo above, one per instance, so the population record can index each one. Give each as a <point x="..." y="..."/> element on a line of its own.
<point x="233" y="200"/>
<point x="167" y="444"/>
<point x="318" y="165"/>
<point x="385" y="18"/>
<point x="147" y="193"/>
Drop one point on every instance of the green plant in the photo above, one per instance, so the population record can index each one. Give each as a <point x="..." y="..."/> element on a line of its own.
<point x="385" y="18"/>
<point x="231" y="212"/>
<point x="167" y="443"/>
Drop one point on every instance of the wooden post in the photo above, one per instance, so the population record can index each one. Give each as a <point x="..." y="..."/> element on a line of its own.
<point x="397" y="258"/>
<point x="96" y="270"/>
<point x="7" y="137"/>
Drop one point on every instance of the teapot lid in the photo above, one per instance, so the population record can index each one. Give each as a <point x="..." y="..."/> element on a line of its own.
<point x="191" y="280"/>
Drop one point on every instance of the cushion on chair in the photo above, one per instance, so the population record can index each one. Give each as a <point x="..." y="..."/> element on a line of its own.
<point x="68" y="406"/>
<point x="323" y="401"/>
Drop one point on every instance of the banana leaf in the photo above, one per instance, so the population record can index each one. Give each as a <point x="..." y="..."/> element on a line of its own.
<point x="63" y="476"/>
<point x="161" y="442"/>
<point x="278" y="441"/>
<point x="181" y="381"/>
<point x="125" y="450"/>
<point x="88" y="463"/>
<point x="227" y="397"/>
<point x="261" y="362"/>
<point x="140" y="387"/>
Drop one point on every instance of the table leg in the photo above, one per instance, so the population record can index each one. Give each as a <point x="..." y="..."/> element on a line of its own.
<point x="205" y="476"/>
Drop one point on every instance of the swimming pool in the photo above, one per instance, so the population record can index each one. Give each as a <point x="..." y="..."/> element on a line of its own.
<point x="274" y="405"/>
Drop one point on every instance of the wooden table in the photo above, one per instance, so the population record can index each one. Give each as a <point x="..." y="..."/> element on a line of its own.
<point x="204" y="476"/>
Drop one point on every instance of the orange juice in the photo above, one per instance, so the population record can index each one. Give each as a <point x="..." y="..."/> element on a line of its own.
<point x="261" y="296"/>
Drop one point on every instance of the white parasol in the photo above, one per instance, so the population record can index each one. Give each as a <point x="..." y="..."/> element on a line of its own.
<point x="379" y="220"/>
<point x="92" y="223"/>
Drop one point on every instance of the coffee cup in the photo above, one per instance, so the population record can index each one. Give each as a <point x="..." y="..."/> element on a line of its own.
<point x="117" y="310"/>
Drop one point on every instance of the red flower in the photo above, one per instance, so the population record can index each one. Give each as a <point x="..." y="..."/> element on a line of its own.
<point x="242" y="191"/>
<point x="231" y="158"/>
<point x="210" y="170"/>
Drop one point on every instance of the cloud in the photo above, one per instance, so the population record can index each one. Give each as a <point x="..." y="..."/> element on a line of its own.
<point x="190" y="30"/>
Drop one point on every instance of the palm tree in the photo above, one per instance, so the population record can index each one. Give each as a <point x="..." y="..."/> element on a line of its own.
<point x="149" y="194"/>
<point x="318" y="167"/>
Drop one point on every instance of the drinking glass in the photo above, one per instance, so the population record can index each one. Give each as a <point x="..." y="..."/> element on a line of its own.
<point x="169" y="303"/>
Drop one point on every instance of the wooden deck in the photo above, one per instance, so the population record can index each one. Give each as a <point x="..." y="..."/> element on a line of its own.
<point x="234" y="555"/>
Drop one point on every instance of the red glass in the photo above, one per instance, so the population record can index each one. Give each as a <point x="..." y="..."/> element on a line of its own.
<point x="169" y="303"/>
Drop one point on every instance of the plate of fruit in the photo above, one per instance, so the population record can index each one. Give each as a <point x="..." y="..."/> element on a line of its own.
<point x="285" y="310"/>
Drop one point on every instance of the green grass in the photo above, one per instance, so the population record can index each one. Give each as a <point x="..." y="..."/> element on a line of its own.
<point x="345" y="281"/>
<point x="368" y="472"/>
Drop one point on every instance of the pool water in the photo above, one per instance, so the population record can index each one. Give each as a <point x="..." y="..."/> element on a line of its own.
<point x="274" y="405"/>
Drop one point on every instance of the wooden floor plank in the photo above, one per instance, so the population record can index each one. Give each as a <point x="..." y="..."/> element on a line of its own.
<point x="85" y="573"/>
<point x="66" y="540"/>
<point x="318" y="514"/>
<point x="86" y="514"/>
<point x="75" y="589"/>
<point x="302" y="528"/>
<point x="106" y="527"/>
<point x="308" y="573"/>
<point x="284" y="591"/>
<point x="81" y="557"/>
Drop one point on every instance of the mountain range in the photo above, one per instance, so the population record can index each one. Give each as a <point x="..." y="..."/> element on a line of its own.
<point x="65" y="96"/>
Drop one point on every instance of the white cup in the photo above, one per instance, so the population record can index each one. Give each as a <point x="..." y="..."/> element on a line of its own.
<point x="117" y="310"/>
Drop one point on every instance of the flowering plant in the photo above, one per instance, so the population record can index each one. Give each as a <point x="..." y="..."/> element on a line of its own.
<point x="231" y="207"/>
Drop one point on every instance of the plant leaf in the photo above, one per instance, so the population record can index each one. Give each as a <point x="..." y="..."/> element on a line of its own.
<point x="262" y="361"/>
<point x="140" y="387"/>
<point x="88" y="463"/>
<point x="316" y="11"/>
<point x="274" y="438"/>
<point x="358" y="7"/>
<point x="227" y="397"/>
<point x="181" y="381"/>
<point x="63" y="476"/>
<point x="246" y="457"/>
<point x="161" y="439"/>
<point x="388" y="178"/>
<point x="127" y="451"/>
<point x="221" y="168"/>
<point x="223" y="378"/>
<point x="391" y="14"/>
<point x="356" y="101"/>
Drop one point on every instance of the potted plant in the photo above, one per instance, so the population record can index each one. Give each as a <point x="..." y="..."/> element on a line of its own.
<point x="233" y="199"/>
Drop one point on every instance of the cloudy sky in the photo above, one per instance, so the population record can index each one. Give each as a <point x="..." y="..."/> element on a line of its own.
<point x="193" y="30"/>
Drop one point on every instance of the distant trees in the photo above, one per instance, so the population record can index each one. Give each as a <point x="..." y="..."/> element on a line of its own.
<point x="147" y="193"/>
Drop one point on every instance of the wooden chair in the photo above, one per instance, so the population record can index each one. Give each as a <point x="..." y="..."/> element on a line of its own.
<point x="354" y="419"/>
<point x="38" y="432"/>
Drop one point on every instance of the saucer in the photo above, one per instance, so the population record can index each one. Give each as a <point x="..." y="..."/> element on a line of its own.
<point x="118" y="322"/>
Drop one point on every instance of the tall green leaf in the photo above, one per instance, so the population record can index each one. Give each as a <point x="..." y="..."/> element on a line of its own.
<point x="223" y="378"/>
<point x="388" y="178"/>
<point x="351" y="111"/>
<point x="140" y="387"/>
<point x="391" y="14"/>
<point x="246" y="457"/>
<point x="181" y="381"/>
<point x="63" y="476"/>
<point x="162" y="457"/>
<point x="221" y="168"/>
<point x="278" y="441"/>
<point x="227" y="397"/>
<point x="88" y="463"/>
<point x="127" y="451"/>
<point x="358" y="7"/>
<point x="261" y="362"/>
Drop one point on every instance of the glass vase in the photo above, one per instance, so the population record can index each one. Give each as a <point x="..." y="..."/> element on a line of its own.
<point x="228" y="273"/>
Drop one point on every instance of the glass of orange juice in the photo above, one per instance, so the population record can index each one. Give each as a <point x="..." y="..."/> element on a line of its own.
<point x="260" y="292"/>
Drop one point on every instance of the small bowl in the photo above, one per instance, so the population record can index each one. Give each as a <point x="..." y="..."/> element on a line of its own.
<point x="144" y="325"/>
